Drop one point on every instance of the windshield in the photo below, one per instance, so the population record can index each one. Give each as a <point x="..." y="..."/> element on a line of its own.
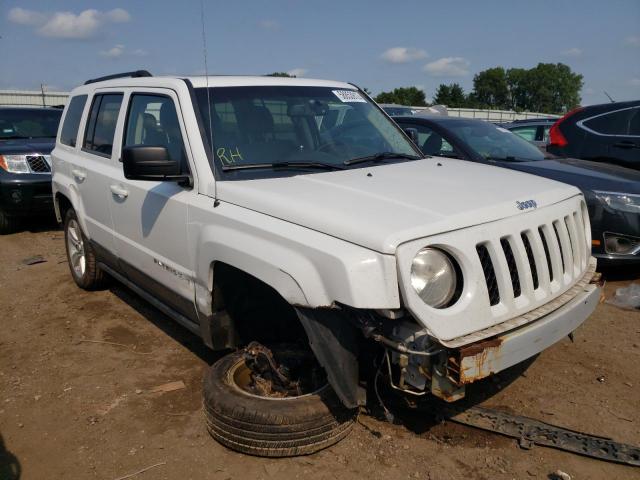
<point x="290" y="124"/>
<point x="494" y="143"/>
<point x="29" y="123"/>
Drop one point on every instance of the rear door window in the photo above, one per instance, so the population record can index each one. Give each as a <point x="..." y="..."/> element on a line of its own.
<point x="634" y="123"/>
<point x="614" y="123"/>
<point x="529" y="133"/>
<point x="431" y="143"/>
<point x="69" y="132"/>
<point x="101" y="126"/>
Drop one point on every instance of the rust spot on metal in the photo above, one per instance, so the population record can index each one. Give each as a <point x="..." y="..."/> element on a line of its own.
<point x="475" y="348"/>
<point x="481" y="354"/>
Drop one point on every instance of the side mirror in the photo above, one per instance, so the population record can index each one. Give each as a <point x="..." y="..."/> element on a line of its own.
<point x="143" y="162"/>
<point x="413" y="134"/>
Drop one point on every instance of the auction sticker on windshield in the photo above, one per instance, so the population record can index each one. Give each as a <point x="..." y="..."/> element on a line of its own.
<point x="349" y="96"/>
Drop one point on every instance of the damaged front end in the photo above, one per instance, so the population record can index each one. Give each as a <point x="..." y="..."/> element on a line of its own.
<point x="417" y="363"/>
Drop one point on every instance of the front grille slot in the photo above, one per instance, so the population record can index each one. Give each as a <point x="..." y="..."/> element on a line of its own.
<point x="573" y="247"/>
<point x="38" y="164"/>
<point x="531" y="258"/>
<point x="546" y="252"/>
<point x="489" y="274"/>
<point x="555" y="229"/>
<point x="513" y="268"/>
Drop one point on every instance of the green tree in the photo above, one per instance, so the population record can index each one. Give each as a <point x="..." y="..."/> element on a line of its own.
<point x="553" y="88"/>
<point x="518" y="83"/>
<point x="443" y="95"/>
<point x="490" y="88"/>
<point x="546" y="88"/>
<point x="280" y="74"/>
<point x="452" y="96"/>
<point x="411" y="96"/>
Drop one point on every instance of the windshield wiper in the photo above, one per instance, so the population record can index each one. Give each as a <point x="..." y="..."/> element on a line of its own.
<point x="284" y="166"/>
<point x="379" y="157"/>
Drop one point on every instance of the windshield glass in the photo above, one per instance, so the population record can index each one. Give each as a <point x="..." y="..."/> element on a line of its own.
<point x="494" y="142"/>
<point x="29" y="123"/>
<point x="281" y="124"/>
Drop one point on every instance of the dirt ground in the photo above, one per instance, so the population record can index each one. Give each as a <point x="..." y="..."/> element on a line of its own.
<point x="77" y="370"/>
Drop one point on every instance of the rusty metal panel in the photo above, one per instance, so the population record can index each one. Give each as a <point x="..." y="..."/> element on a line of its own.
<point x="482" y="359"/>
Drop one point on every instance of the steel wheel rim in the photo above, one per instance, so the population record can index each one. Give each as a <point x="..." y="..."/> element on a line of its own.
<point x="237" y="377"/>
<point x="75" y="247"/>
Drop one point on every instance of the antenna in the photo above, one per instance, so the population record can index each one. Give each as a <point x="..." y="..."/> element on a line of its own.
<point x="609" y="97"/>
<point x="206" y="72"/>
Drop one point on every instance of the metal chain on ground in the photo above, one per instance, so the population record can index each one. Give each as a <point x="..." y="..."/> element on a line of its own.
<point x="529" y="431"/>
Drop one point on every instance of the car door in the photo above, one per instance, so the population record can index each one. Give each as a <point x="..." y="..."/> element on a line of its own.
<point x="150" y="217"/>
<point x="92" y="168"/>
<point x="613" y="136"/>
<point x="627" y="146"/>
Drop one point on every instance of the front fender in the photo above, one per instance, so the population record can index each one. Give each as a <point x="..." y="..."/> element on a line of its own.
<point x="307" y="268"/>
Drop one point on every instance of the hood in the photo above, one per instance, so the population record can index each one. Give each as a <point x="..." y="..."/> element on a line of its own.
<point x="584" y="174"/>
<point x="27" y="145"/>
<point x="383" y="206"/>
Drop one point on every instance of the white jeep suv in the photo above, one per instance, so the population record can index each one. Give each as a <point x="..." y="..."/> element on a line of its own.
<point x="282" y="210"/>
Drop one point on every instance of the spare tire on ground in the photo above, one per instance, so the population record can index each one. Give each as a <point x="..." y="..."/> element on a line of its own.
<point x="245" y="414"/>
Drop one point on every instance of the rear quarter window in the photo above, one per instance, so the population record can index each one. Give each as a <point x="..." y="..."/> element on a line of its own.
<point x="69" y="132"/>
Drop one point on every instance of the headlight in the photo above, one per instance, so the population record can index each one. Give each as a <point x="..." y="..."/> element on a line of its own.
<point x="14" y="163"/>
<point x="622" y="202"/>
<point x="433" y="277"/>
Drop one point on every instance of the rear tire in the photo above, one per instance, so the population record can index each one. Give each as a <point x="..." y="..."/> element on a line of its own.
<point x="80" y="255"/>
<point x="7" y="224"/>
<point x="271" y="427"/>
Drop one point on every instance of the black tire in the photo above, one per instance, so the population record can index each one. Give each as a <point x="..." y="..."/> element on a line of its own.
<point x="7" y="224"/>
<point x="91" y="278"/>
<point x="269" y="427"/>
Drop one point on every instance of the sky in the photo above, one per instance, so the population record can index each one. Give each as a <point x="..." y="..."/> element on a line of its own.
<point x="376" y="44"/>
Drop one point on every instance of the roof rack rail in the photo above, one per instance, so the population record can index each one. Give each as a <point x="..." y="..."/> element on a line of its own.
<point x="135" y="74"/>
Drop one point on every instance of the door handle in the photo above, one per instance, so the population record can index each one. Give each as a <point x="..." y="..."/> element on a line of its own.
<point x="79" y="175"/>
<point x="119" y="191"/>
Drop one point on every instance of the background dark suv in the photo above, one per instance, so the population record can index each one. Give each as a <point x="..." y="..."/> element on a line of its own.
<point x="609" y="132"/>
<point x="27" y="136"/>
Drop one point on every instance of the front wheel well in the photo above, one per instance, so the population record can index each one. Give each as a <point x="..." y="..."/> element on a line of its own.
<point x="63" y="205"/>
<point x="257" y="312"/>
<point x="247" y="309"/>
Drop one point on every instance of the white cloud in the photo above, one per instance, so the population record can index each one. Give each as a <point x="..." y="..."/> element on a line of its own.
<point x="119" y="50"/>
<point x="403" y="55"/>
<point x="448" y="67"/>
<point x="113" y="52"/>
<point x="22" y="16"/>
<point x="634" y="82"/>
<point x="269" y="24"/>
<point x="118" y="15"/>
<point x="69" y="25"/>
<point x="632" y="40"/>
<point x="588" y="91"/>
<point x="572" y="52"/>
<point x="298" y="72"/>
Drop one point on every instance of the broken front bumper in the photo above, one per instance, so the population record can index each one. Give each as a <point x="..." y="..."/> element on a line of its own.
<point x="479" y="360"/>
